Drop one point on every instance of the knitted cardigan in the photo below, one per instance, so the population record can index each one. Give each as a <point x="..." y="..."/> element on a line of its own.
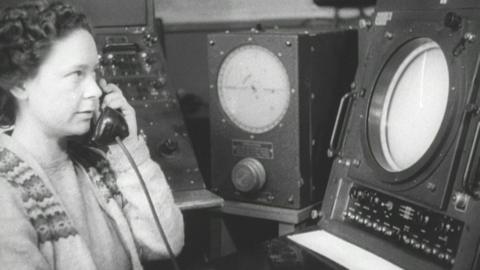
<point x="36" y="231"/>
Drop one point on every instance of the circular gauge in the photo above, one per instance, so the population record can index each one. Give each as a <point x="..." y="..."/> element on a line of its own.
<point x="408" y="104"/>
<point x="253" y="88"/>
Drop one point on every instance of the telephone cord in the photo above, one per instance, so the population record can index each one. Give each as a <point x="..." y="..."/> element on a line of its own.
<point x="150" y="202"/>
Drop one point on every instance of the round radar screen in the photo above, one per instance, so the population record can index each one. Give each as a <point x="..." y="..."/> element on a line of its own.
<point x="408" y="105"/>
<point x="253" y="88"/>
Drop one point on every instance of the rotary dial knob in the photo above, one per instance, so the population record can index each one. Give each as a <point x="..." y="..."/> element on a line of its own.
<point x="248" y="175"/>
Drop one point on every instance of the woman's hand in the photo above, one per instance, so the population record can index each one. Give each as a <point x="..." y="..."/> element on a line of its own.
<point x="114" y="99"/>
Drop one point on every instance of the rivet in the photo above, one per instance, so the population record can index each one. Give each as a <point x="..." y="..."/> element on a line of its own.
<point x="388" y="35"/>
<point x="431" y="187"/>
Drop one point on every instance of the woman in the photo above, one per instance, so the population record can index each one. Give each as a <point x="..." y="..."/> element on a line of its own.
<point x="66" y="206"/>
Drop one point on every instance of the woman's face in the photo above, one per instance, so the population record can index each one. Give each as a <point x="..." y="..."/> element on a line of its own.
<point x="63" y="97"/>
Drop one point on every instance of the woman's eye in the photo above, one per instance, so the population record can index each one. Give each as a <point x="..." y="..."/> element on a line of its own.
<point x="78" y="73"/>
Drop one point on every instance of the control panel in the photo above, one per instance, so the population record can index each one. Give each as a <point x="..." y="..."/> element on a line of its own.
<point x="137" y="70"/>
<point x="432" y="235"/>
<point x="133" y="59"/>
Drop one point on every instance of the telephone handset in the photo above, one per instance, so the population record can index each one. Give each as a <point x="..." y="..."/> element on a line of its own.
<point x="109" y="125"/>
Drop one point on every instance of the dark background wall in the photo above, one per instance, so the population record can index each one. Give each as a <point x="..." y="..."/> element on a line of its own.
<point x="187" y="66"/>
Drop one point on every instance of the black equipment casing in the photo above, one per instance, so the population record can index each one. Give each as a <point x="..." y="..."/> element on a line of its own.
<point x="423" y="217"/>
<point x="320" y="67"/>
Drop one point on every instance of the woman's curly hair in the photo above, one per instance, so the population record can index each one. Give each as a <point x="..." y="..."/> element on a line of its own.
<point x="27" y="33"/>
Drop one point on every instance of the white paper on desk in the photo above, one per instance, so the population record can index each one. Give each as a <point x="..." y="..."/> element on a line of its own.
<point x="342" y="252"/>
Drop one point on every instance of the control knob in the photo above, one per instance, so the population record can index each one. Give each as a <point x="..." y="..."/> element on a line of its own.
<point x="160" y="82"/>
<point x="248" y="175"/>
<point x="168" y="147"/>
<point x="151" y="60"/>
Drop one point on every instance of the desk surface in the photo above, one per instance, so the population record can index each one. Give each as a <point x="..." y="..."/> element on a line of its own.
<point x="284" y="215"/>
<point x="276" y="254"/>
<point x="196" y="199"/>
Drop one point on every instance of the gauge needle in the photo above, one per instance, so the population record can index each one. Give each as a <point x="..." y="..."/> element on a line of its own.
<point x="255" y="91"/>
<point x="271" y="90"/>
<point x="246" y="79"/>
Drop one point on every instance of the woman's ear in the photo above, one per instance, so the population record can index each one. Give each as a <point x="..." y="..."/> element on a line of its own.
<point x="19" y="92"/>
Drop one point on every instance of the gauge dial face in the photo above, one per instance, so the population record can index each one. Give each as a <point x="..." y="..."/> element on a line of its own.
<point x="253" y="88"/>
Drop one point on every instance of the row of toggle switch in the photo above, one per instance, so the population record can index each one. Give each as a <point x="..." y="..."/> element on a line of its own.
<point x="121" y="58"/>
<point x="128" y="64"/>
<point x="143" y="90"/>
<point x="405" y="239"/>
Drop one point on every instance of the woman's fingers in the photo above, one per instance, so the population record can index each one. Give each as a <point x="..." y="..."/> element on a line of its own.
<point x="114" y="100"/>
<point x="102" y="83"/>
<point x="113" y="96"/>
<point x="108" y="87"/>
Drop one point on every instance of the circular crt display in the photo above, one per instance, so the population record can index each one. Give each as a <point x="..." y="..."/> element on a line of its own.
<point x="414" y="104"/>
<point x="253" y="88"/>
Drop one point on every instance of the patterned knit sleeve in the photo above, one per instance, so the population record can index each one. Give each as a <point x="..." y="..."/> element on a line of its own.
<point x="18" y="238"/>
<point x="149" y="242"/>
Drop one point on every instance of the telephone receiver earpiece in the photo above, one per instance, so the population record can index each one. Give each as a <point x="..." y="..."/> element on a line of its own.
<point x="109" y="125"/>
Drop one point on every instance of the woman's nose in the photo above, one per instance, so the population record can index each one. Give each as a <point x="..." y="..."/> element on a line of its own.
<point x="93" y="90"/>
